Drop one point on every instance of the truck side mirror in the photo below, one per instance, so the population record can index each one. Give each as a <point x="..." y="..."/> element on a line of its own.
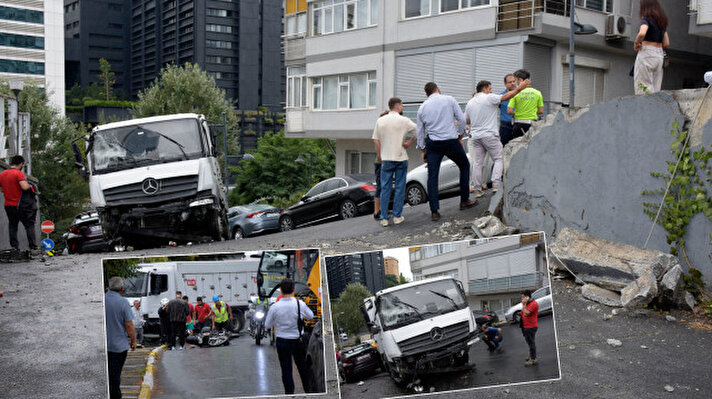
<point x="79" y="161"/>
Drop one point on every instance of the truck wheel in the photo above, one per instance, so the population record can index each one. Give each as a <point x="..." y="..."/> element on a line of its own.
<point x="238" y="320"/>
<point x="400" y="381"/>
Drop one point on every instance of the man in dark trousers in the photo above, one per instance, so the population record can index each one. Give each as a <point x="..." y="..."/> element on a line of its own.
<point x="13" y="182"/>
<point x="438" y="136"/>
<point x="165" y="322"/>
<point x="285" y="315"/>
<point x="178" y="311"/>
<point x="530" y="311"/>
<point x="119" y="331"/>
<point x="201" y="314"/>
<point x="492" y="337"/>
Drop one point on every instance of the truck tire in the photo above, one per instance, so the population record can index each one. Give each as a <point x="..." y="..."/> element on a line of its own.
<point x="258" y="334"/>
<point x="400" y="381"/>
<point x="238" y="319"/>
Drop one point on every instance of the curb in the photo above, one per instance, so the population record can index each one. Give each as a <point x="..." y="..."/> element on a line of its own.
<point x="147" y="384"/>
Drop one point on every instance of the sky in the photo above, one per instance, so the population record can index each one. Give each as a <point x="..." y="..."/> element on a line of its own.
<point x="403" y="257"/>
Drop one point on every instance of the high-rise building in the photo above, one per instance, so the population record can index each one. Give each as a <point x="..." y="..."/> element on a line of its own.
<point x="391" y="265"/>
<point x="32" y="45"/>
<point x="363" y="268"/>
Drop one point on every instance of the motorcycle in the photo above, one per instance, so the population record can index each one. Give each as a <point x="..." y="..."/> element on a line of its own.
<point x="257" y="322"/>
<point x="207" y="337"/>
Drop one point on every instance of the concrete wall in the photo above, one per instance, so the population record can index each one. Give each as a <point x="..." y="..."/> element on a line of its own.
<point x="587" y="171"/>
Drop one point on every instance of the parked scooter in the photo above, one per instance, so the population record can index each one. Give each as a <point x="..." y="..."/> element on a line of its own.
<point x="257" y="321"/>
<point x="206" y="337"/>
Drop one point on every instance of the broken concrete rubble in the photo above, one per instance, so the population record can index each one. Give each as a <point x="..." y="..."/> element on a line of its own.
<point x="601" y="295"/>
<point x="672" y="291"/>
<point x="640" y="292"/>
<point x="490" y="226"/>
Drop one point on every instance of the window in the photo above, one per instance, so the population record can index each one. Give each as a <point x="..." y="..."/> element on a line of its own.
<point x="22" y="15"/>
<point x="353" y="91"/>
<point x="29" y="67"/>
<point x="597" y="5"/>
<point x="218" y="60"/>
<point x="330" y="16"/>
<point x="214" y="12"/>
<point x="218" y="28"/>
<point x="220" y="75"/>
<point x="296" y="87"/>
<point x="11" y="40"/>
<point x="115" y="7"/>
<point x="423" y="8"/>
<point x="361" y="162"/>
<point x="297" y="24"/>
<point x="218" y="44"/>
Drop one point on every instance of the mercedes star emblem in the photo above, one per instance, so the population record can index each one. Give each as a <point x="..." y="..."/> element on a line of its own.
<point x="436" y="334"/>
<point x="150" y="186"/>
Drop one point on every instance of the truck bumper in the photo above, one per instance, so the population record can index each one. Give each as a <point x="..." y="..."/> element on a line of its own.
<point x="444" y="360"/>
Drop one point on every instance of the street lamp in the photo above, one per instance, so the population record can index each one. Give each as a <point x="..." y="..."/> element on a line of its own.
<point x="575" y="29"/>
<point x="248" y="157"/>
<point x="301" y="160"/>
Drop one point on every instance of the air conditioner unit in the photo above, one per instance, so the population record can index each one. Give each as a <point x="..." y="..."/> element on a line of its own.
<point x="617" y="26"/>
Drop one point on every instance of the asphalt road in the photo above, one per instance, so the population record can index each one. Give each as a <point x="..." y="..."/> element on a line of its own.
<point x="52" y="339"/>
<point x="504" y="366"/>
<point x="239" y="369"/>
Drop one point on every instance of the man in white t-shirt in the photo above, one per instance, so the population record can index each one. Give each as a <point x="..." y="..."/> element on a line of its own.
<point x="482" y="114"/>
<point x="390" y="136"/>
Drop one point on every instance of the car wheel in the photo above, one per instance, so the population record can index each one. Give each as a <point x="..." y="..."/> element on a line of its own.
<point x="286" y="223"/>
<point x="347" y="209"/>
<point x="238" y="234"/>
<point x="278" y="264"/>
<point x="414" y="194"/>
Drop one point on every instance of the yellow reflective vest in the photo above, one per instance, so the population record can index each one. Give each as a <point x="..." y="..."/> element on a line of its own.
<point x="220" y="315"/>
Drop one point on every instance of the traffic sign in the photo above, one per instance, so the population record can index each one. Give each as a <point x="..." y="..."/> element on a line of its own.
<point x="47" y="227"/>
<point x="47" y="244"/>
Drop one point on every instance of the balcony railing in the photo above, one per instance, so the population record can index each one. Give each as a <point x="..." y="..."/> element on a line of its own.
<point x="519" y="14"/>
<point x="505" y="284"/>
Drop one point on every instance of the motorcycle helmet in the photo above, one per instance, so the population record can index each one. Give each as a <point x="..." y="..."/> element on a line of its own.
<point x="164" y="301"/>
<point x="216" y="298"/>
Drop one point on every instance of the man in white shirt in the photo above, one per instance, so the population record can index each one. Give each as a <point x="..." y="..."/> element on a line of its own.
<point x="390" y="139"/>
<point x="482" y="113"/>
<point x="284" y="314"/>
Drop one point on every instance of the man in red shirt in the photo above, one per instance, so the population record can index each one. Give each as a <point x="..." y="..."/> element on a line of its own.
<point x="201" y="314"/>
<point x="13" y="182"/>
<point x="530" y="311"/>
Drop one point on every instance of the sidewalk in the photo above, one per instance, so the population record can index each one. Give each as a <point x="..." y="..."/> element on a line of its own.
<point x="132" y="373"/>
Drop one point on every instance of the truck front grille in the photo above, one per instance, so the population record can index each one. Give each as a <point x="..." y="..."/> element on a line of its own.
<point x="424" y="342"/>
<point x="171" y="189"/>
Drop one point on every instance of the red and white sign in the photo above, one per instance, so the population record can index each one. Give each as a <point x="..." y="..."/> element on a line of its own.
<point x="47" y="227"/>
<point x="190" y="282"/>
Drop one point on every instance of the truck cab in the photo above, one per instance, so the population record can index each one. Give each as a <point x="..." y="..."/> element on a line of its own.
<point x="421" y="327"/>
<point x="157" y="179"/>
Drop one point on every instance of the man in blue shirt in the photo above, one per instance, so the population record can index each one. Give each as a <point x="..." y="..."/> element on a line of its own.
<point x="505" y="119"/>
<point x="438" y="136"/>
<point x="492" y="337"/>
<point x="119" y="330"/>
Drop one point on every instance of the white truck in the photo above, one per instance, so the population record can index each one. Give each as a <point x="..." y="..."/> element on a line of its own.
<point x="234" y="281"/>
<point x="156" y="179"/>
<point x="422" y="327"/>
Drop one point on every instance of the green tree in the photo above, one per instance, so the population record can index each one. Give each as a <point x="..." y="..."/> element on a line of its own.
<point x="391" y="281"/>
<point x="402" y="279"/>
<point x="273" y="173"/>
<point x="346" y="311"/>
<point x="62" y="192"/>
<point x="121" y="267"/>
<point x="181" y="89"/>
<point x="107" y="79"/>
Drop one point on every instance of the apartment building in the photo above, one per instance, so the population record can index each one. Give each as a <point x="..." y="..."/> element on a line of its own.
<point x="391" y="266"/>
<point x="364" y="268"/>
<point x="345" y="58"/>
<point x="32" y="45"/>
<point x="493" y="271"/>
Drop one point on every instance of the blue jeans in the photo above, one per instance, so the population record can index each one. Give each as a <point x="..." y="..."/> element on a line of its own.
<point x="389" y="169"/>
<point x="434" y="152"/>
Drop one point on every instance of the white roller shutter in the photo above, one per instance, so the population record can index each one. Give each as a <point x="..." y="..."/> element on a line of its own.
<point x="492" y="63"/>
<point x="412" y="73"/>
<point x="454" y="72"/>
<point x="537" y="60"/>
<point x="588" y="85"/>
<point x="522" y="261"/>
<point x="477" y="268"/>
<point x="704" y="12"/>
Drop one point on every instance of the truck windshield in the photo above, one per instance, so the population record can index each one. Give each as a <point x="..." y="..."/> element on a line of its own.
<point x="145" y="144"/>
<point x="412" y="304"/>
<point x="136" y="286"/>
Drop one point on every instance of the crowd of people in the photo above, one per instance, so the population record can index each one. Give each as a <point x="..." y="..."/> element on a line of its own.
<point x="179" y="318"/>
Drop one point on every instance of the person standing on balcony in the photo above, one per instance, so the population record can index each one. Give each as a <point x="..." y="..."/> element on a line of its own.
<point x="390" y="139"/>
<point x="525" y="106"/>
<point x="650" y="42"/>
<point x="438" y="136"/>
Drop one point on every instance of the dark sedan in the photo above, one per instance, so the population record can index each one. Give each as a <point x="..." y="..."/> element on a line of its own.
<point x="246" y="220"/>
<point x="85" y="234"/>
<point x="359" y="361"/>
<point x="341" y="196"/>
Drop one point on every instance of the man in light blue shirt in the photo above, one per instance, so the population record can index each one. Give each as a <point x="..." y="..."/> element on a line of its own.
<point x="438" y="136"/>
<point x="119" y="330"/>
<point x="505" y="119"/>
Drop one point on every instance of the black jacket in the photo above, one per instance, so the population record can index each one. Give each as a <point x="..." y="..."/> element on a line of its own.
<point x="178" y="310"/>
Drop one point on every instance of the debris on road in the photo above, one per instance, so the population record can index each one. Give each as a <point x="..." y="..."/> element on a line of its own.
<point x="614" y="342"/>
<point x="601" y="295"/>
<point x="669" y="388"/>
<point x="670" y="318"/>
<point x="490" y="226"/>
<point x="640" y="292"/>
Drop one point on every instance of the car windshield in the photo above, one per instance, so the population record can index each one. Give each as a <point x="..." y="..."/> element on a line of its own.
<point x="136" y="286"/>
<point x="145" y="144"/>
<point x="412" y="304"/>
<point x="540" y="293"/>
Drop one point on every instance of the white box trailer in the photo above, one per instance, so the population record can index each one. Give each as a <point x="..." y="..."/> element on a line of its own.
<point x="234" y="281"/>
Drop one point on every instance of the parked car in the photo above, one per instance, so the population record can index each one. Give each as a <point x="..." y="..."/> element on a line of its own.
<point x="483" y="317"/>
<point x="416" y="181"/>
<point x="542" y="296"/>
<point x="86" y="234"/>
<point x="246" y="220"/>
<point x="315" y="359"/>
<point x="341" y="196"/>
<point x="359" y="361"/>
<point x="274" y="260"/>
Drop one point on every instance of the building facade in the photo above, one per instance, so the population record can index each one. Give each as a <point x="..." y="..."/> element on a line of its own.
<point x="493" y="271"/>
<point x="238" y="43"/>
<point x="346" y="58"/>
<point x="364" y="268"/>
<point x="391" y="266"/>
<point x="32" y="45"/>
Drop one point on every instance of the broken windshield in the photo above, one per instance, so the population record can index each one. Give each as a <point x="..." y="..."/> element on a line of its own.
<point x="412" y="304"/>
<point x="145" y="144"/>
<point x="136" y="286"/>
